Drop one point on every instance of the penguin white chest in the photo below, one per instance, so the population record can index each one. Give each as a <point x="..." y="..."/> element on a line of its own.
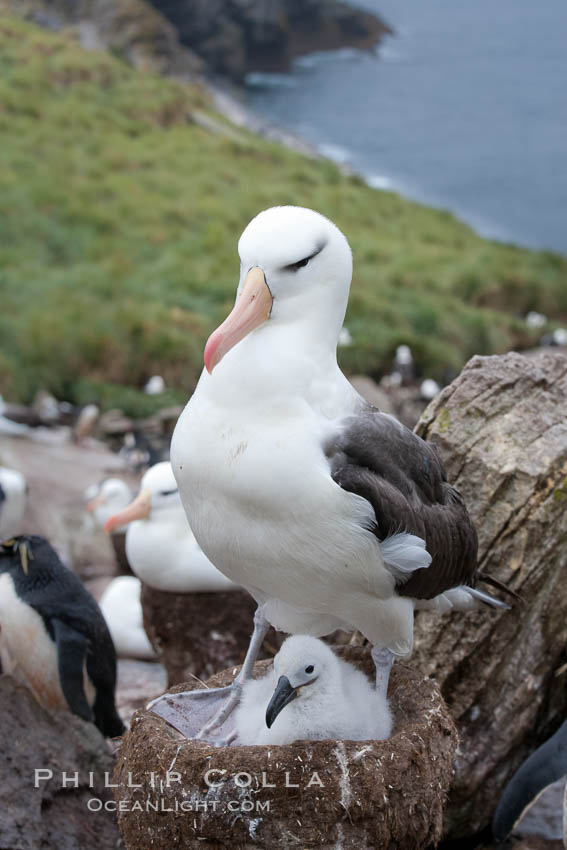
<point x="28" y="653"/>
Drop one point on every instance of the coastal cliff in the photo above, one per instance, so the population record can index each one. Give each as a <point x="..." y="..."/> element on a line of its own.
<point x="237" y="36"/>
<point x="222" y="38"/>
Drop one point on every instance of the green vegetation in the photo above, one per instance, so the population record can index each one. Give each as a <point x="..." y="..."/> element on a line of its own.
<point x="121" y="211"/>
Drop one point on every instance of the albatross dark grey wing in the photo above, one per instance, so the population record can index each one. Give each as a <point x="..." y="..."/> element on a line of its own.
<point x="378" y="458"/>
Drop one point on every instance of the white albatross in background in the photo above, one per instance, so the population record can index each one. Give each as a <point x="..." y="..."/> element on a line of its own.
<point x="323" y="697"/>
<point x="160" y="545"/>
<point x="103" y="500"/>
<point x="120" y="603"/>
<point x="121" y="607"/>
<point x="330" y="513"/>
<point x="106" y="498"/>
<point x="12" y="501"/>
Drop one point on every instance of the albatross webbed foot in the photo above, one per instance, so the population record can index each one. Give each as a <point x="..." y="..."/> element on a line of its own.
<point x="202" y="713"/>
<point x="191" y="711"/>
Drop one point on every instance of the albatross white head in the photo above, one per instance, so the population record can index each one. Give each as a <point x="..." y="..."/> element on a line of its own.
<point x="295" y="269"/>
<point x="158" y="496"/>
<point x="304" y="668"/>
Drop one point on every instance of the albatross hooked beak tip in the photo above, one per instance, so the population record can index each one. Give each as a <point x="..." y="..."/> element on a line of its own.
<point x="282" y="696"/>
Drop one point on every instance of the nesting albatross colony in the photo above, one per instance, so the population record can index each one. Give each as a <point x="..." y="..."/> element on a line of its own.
<point x="410" y="689"/>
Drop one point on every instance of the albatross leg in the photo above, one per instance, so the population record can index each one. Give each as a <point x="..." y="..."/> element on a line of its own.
<point x="383" y="659"/>
<point x="261" y="627"/>
<point x="198" y="713"/>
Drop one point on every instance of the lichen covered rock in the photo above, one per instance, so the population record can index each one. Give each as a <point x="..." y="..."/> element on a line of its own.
<point x="501" y="430"/>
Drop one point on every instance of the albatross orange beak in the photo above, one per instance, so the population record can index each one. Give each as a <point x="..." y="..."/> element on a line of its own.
<point x="138" y="509"/>
<point x="253" y="307"/>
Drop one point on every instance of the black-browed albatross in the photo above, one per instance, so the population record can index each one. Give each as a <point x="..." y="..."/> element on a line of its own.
<point x="330" y="513"/>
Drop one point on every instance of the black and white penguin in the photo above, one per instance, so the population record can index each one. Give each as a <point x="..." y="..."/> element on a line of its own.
<point x="53" y="636"/>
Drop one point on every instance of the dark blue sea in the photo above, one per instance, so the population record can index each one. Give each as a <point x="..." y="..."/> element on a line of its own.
<point x="464" y="108"/>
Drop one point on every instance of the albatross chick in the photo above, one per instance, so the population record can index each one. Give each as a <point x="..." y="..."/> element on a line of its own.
<point x="311" y="694"/>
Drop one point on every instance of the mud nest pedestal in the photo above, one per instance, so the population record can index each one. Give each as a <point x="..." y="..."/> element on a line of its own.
<point x="196" y="634"/>
<point x="179" y="792"/>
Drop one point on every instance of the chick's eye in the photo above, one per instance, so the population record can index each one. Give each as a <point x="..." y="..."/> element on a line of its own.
<point x="309" y="669"/>
<point x="168" y="492"/>
<point x="293" y="267"/>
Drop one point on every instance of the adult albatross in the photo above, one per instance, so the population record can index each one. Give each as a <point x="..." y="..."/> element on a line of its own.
<point x="330" y="513"/>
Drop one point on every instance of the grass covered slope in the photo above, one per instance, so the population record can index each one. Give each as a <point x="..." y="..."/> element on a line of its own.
<point x="122" y="197"/>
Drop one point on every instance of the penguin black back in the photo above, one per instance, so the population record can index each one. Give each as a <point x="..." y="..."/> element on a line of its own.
<point x="73" y="621"/>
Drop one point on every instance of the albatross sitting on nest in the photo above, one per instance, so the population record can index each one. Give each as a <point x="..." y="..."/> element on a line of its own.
<point x="330" y="513"/>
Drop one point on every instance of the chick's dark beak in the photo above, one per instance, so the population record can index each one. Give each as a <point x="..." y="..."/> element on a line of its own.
<point x="283" y="694"/>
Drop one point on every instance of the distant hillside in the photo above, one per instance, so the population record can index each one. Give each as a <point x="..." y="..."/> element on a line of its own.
<point x="122" y="196"/>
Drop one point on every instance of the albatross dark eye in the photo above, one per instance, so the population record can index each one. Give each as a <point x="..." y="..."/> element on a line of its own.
<point x="293" y="267"/>
<point x="168" y="492"/>
<point x="309" y="669"/>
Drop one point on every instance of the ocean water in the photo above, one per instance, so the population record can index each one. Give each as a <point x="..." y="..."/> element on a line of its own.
<point x="464" y="108"/>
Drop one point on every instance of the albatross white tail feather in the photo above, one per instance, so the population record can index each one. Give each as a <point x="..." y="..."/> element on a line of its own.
<point x="403" y="553"/>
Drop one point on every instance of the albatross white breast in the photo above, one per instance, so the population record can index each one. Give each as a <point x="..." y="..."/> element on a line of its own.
<point x="329" y="512"/>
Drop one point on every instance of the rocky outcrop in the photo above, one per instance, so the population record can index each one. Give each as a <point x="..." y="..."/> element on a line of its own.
<point x="501" y="430"/>
<point x="324" y="794"/>
<point x="237" y="36"/>
<point x="48" y="809"/>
